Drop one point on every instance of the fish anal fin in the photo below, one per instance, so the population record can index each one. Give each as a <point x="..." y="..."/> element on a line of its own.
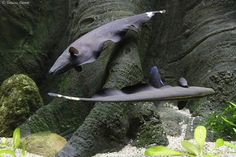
<point x="107" y="92"/>
<point x="137" y="88"/>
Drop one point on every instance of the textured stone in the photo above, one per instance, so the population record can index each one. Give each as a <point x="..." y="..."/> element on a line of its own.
<point x="199" y="46"/>
<point x="19" y="98"/>
<point x="44" y="143"/>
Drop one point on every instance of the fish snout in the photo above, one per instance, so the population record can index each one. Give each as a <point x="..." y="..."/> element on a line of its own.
<point x="60" y="66"/>
<point x="54" y="71"/>
<point x="51" y="72"/>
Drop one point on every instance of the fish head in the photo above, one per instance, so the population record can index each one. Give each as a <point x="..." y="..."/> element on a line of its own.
<point x="69" y="59"/>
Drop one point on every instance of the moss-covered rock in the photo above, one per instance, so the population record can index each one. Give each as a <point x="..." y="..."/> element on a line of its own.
<point x="150" y="133"/>
<point x="19" y="98"/>
<point x="45" y="143"/>
<point x="151" y="130"/>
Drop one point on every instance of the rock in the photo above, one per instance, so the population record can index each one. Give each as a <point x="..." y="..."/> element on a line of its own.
<point x="45" y="143"/>
<point x="172" y="118"/>
<point x="26" y="46"/>
<point x="151" y="131"/>
<point x="193" y="123"/>
<point x="20" y="98"/>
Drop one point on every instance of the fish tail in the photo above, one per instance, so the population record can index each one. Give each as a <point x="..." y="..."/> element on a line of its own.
<point x="152" y="13"/>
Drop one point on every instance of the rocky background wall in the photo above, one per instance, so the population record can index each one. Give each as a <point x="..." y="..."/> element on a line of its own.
<point x="194" y="39"/>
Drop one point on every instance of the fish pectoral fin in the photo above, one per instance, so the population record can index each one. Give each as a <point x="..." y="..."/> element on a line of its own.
<point x="73" y="51"/>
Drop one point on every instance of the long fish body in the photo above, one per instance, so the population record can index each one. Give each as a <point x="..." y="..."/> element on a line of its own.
<point x="88" y="47"/>
<point x="148" y="93"/>
<point x="155" y="90"/>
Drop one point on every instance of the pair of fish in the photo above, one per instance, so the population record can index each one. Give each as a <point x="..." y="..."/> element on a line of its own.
<point x="88" y="48"/>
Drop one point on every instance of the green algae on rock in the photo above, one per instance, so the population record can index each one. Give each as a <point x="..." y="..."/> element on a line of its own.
<point x="44" y="143"/>
<point x="150" y="133"/>
<point x="151" y="130"/>
<point x="19" y="98"/>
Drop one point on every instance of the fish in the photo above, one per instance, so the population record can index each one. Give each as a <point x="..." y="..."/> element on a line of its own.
<point x="88" y="47"/>
<point x="155" y="90"/>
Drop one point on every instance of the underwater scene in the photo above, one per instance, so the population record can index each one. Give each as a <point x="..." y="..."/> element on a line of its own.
<point x="117" y="78"/>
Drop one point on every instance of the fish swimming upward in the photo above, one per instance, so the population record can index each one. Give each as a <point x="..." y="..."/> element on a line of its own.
<point x="154" y="91"/>
<point x="88" y="47"/>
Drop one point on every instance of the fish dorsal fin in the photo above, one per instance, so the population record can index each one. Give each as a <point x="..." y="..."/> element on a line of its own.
<point x="155" y="78"/>
<point x="73" y="52"/>
<point x="183" y="82"/>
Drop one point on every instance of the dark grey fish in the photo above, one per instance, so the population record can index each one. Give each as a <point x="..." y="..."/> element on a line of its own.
<point x="154" y="91"/>
<point x="87" y="48"/>
<point x="147" y="93"/>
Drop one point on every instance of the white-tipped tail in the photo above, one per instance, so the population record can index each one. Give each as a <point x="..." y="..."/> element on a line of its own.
<point x="152" y="13"/>
<point x="161" y="11"/>
<point x="64" y="96"/>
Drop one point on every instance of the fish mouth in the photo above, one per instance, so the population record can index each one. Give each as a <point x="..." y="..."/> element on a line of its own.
<point x="59" y="70"/>
<point x="63" y="68"/>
